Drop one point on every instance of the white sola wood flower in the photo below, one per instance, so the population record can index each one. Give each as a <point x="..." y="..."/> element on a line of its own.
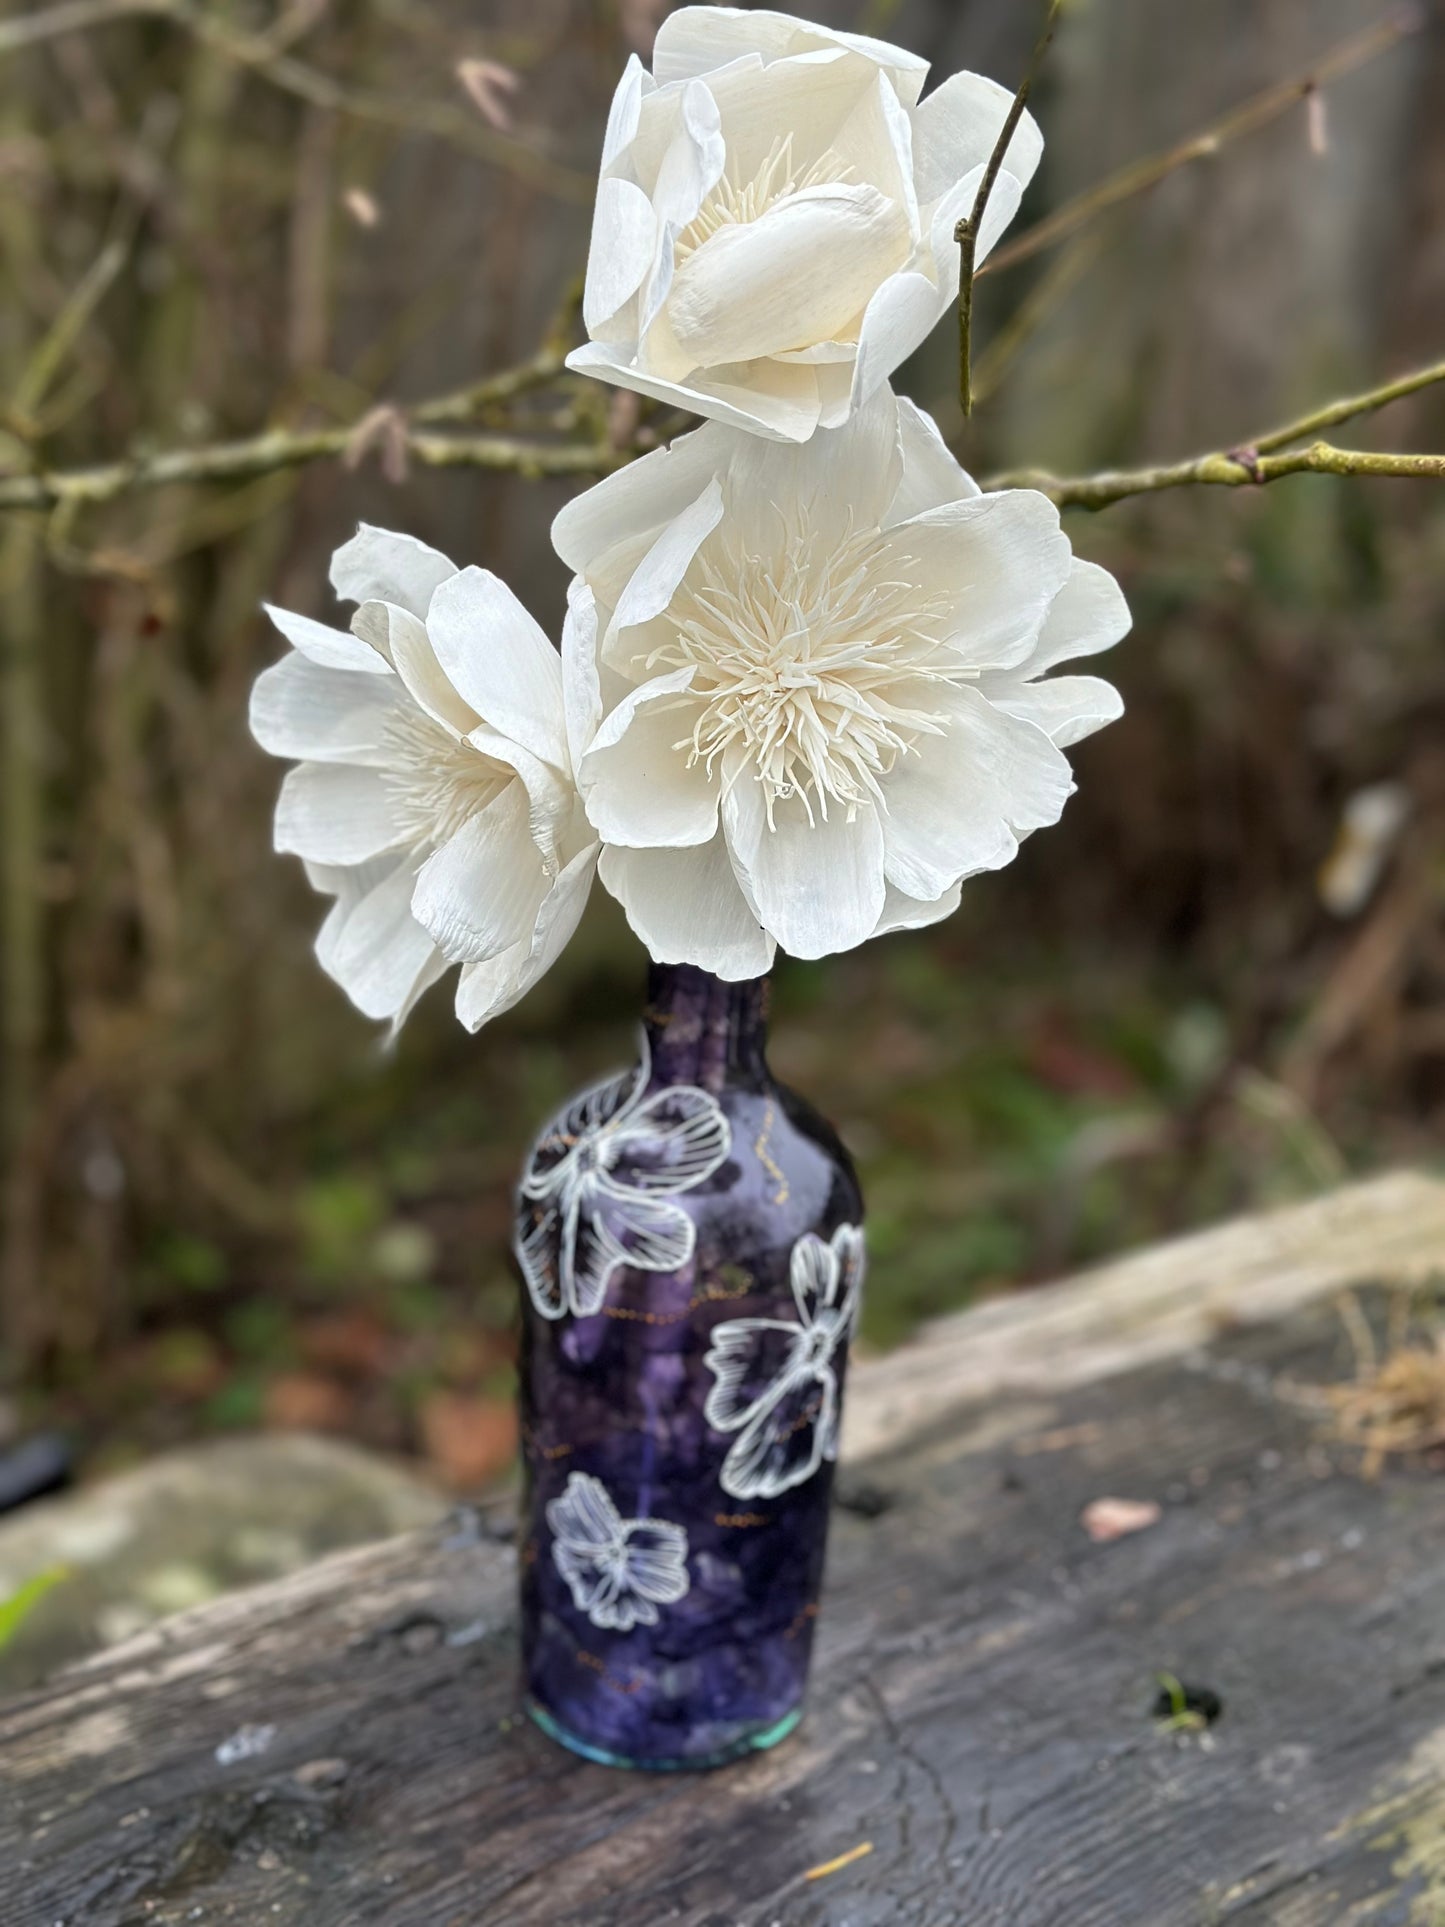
<point x="618" y="1571"/>
<point x="818" y="672"/>
<point x="598" y="1186"/>
<point x="775" y="216"/>
<point x="774" y="1380"/>
<point x="434" y="796"/>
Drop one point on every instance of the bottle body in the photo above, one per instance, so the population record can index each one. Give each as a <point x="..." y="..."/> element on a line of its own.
<point x="690" y="1237"/>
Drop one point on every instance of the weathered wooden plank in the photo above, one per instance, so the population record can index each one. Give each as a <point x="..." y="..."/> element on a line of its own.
<point x="344" y="1748"/>
<point x="1153" y="1304"/>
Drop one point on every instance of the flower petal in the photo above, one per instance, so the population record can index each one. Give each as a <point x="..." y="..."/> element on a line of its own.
<point x="1088" y="614"/>
<point x="655" y="1561"/>
<point x="954" y="131"/>
<point x="1065" y="708"/>
<point x="686" y="907"/>
<point x="410" y="649"/>
<point x="485" y="990"/>
<point x="841" y="480"/>
<point x="479" y="894"/>
<point x="655" y="580"/>
<point x="899" y="317"/>
<point x="624" y="244"/>
<point x="966" y="800"/>
<point x="770" y="398"/>
<point x="813" y="1275"/>
<point x="623" y="114"/>
<point x="671" y="1142"/>
<point x="635" y="502"/>
<point x="902" y="912"/>
<point x="584" y="1518"/>
<point x="581" y="687"/>
<point x="798" y="274"/>
<point x="302" y="711"/>
<point x="995" y="562"/>
<point x="752" y="1361"/>
<point x="328" y="648"/>
<point x="500" y="662"/>
<point x="818" y="887"/>
<point x="377" y="565"/>
<point x="783" y="1446"/>
<point x="695" y="40"/>
<point x="638" y="787"/>
<point x="932" y="475"/>
<point x="380" y="950"/>
<point x="336" y="813"/>
<point x="612" y="1229"/>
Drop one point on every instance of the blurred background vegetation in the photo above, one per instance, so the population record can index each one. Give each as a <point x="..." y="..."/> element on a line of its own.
<point x="1216" y="985"/>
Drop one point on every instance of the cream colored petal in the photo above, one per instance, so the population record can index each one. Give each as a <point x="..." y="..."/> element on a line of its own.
<point x="695" y="40"/>
<point x="1088" y="614"/>
<point x="485" y="990"/>
<point x="954" y="131"/>
<point x="963" y="802"/>
<point x="377" y="565"/>
<point x="994" y="564"/>
<point x="636" y="502"/>
<point x="655" y="580"/>
<point x="686" y="907"/>
<point x="336" y="813"/>
<point x="415" y="661"/>
<point x="500" y="662"/>
<point x="329" y="648"/>
<point x="581" y="685"/>
<point x="623" y="250"/>
<point x="479" y="894"/>
<point x="796" y="275"/>
<point x="902" y="912"/>
<point x="300" y="710"/>
<point x="638" y="787"/>
<point x="817" y="887"/>
<point x="932" y="475"/>
<point x="380" y="951"/>
<point x="766" y="397"/>
<point x="1065" y="708"/>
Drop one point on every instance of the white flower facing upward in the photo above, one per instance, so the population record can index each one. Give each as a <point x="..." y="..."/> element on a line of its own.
<point x="774" y="1380"/>
<point x="434" y="797"/>
<point x="775" y="216"/>
<point x="598" y="1183"/>
<point x="817" y="670"/>
<point x="619" y="1571"/>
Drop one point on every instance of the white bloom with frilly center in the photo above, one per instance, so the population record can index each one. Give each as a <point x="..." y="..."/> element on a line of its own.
<point x="434" y="796"/>
<point x="774" y="230"/>
<point x="817" y="673"/>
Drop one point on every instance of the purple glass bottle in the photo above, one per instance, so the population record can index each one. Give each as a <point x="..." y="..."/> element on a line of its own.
<point x="690" y="1239"/>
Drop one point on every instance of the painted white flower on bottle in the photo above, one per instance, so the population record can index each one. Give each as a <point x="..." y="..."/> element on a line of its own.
<point x="619" y="1571"/>
<point x="598" y="1186"/>
<point x="775" y="1383"/>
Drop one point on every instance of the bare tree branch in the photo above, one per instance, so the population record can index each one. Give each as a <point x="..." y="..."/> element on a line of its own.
<point x="266" y="57"/>
<point x="966" y="233"/>
<point x="1268" y="458"/>
<point x="1258" y="111"/>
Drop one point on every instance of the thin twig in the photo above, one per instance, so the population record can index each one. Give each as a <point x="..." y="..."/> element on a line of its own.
<point x="280" y="448"/>
<point x="1238" y="469"/>
<point x="1254" y="113"/>
<point x="1253" y="462"/>
<point x="967" y="231"/>
<point x="260" y="55"/>
<point x="65" y="330"/>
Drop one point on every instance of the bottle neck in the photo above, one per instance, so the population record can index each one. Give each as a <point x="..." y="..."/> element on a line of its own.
<point x="702" y="1031"/>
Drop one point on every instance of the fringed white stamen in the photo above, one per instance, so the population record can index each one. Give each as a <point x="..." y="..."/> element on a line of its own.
<point x="438" y="781"/>
<point x="731" y="204"/>
<point x="814" y="661"/>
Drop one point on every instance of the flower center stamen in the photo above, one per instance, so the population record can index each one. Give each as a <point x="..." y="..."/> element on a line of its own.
<point x="735" y="204"/>
<point x="812" y="663"/>
<point x="438" y="782"/>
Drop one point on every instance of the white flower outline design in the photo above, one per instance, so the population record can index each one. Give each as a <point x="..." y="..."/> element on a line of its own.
<point x="597" y="1183"/>
<point x="789" y="1428"/>
<point x="619" y="1571"/>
